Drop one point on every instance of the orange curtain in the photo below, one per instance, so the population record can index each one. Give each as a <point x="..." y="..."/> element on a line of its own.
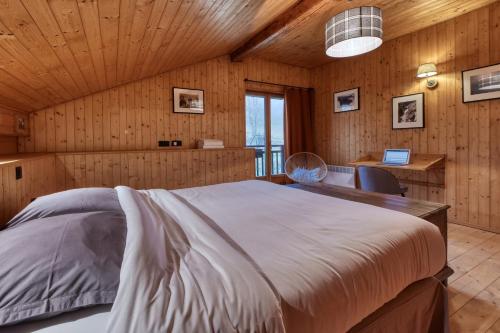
<point x="299" y="104"/>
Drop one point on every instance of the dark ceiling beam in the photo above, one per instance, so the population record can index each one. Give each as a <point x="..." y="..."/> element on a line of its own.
<point x="280" y="25"/>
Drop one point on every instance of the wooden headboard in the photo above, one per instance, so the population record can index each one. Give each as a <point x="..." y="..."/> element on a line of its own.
<point x="48" y="173"/>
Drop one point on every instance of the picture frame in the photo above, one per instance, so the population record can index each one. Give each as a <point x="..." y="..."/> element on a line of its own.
<point x="481" y="84"/>
<point x="189" y="101"/>
<point x="346" y="101"/>
<point x="22" y="127"/>
<point x="408" y="111"/>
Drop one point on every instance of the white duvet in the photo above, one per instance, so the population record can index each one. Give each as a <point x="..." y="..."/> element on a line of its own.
<point x="254" y="256"/>
<point x="179" y="275"/>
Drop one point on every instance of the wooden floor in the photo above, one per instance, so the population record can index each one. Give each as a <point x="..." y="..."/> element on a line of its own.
<point x="474" y="289"/>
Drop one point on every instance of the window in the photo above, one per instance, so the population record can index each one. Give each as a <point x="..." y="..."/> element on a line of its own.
<point x="265" y="131"/>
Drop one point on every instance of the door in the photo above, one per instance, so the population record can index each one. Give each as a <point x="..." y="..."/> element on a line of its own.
<point x="265" y="131"/>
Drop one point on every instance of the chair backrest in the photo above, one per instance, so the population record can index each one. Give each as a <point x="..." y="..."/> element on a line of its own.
<point x="378" y="180"/>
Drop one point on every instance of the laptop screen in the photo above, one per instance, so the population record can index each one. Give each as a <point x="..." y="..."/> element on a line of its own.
<point x="397" y="156"/>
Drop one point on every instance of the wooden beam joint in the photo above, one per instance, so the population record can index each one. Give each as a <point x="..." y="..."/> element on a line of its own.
<point x="283" y="23"/>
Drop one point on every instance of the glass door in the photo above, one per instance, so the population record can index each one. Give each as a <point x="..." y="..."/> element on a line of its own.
<point x="277" y="135"/>
<point x="265" y="131"/>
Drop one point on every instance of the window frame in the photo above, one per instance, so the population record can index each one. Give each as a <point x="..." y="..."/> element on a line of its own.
<point x="267" y="119"/>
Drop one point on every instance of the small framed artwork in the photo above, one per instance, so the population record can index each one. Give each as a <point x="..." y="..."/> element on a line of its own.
<point x="347" y="100"/>
<point x="481" y="84"/>
<point x="188" y="101"/>
<point x="22" y="125"/>
<point x="408" y="111"/>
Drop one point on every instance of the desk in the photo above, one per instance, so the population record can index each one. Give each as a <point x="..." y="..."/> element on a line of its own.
<point x="418" y="163"/>
<point x="435" y="213"/>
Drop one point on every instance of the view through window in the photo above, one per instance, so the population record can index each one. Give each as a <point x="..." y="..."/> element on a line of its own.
<point x="265" y="131"/>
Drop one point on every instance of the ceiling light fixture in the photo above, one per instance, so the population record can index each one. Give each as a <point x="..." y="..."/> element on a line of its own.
<point x="353" y="32"/>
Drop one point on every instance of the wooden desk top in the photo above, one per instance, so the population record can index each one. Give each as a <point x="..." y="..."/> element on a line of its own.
<point x="418" y="162"/>
<point x="419" y="208"/>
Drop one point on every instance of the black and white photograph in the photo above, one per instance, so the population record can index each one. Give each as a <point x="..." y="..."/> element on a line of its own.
<point x="188" y="101"/>
<point x="481" y="83"/>
<point x="408" y="111"/>
<point x="347" y="100"/>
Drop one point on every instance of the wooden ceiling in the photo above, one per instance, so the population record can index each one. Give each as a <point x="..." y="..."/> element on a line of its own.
<point x="57" y="50"/>
<point x="302" y="42"/>
<point x="53" y="51"/>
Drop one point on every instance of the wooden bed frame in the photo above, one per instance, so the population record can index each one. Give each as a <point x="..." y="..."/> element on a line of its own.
<point x="436" y="213"/>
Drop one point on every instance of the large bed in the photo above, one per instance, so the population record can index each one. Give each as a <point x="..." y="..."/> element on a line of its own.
<point x="255" y="256"/>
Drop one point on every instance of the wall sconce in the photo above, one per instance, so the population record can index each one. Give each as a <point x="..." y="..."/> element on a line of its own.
<point x="426" y="71"/>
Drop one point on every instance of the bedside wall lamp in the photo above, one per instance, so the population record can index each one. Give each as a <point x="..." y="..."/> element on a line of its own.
<point x="426" y="71"/>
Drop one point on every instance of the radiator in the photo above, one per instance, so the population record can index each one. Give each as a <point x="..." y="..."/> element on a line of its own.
<point x="340" y="175"/>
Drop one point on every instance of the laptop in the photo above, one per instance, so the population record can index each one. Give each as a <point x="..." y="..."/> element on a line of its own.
<point x="396" y="157"/>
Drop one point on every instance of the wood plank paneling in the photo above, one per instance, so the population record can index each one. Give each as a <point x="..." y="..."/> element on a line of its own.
<point x="302" y="41"/>
<point x="39" y="178"/>
<point x="474" y="288"/>
<point x="58" y="50"/>
<point x="169" y="169"/>
<point x="13" y="123"/>
<point x="469" y="134"/>
<point x="10" y="129"/>
<point x="8" y="145"/>
<point x="136" y="115"/>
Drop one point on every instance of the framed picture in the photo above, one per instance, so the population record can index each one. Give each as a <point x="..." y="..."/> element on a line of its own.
<point x="408" y="111"/>
<point x="481" y="84"/>
<point x="22" y="125"/>
<point x="347" y="100"/>
<point x="188" y="101"/>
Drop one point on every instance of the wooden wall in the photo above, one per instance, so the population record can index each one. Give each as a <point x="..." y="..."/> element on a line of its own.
<point x="10" y="130"/>
<point x="136" y="115"/>
<point x="8" y="144"/>
<point x="13" y="123"/>
<point x="111" y="138"/>
<point x="39" y="178"/>
<point x="469" y="134"/>
<point x="169" y="169"/>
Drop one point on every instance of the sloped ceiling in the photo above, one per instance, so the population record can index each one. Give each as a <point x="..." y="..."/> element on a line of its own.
<point x="52" y="51"/>
<point x="56" y="50"/>
<point x="302" y="42"/>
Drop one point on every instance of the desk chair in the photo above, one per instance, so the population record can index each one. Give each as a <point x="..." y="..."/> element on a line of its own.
<point x="379" y="180"/>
